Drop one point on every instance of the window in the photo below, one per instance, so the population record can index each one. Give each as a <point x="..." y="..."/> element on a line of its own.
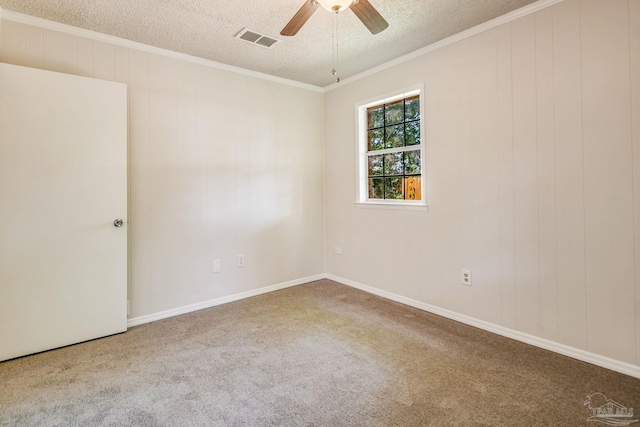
<point x="391" y="150"/>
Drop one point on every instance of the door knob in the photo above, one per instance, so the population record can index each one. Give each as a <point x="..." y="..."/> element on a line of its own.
<point x="118" y="222"/>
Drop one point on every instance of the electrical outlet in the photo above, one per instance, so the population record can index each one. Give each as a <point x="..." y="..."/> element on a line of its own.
<point x="465" y="277"/>
<point x="217" y="267"/>
<point x="338" y="250"/>
<point x="240" y="260"/>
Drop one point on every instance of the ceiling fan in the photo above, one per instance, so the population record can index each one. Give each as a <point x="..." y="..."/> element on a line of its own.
<point x="362" y="8"/>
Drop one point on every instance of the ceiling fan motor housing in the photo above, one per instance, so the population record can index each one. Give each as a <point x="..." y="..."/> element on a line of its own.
<point x="365" y="12"/>
<point x="335" y="5"/>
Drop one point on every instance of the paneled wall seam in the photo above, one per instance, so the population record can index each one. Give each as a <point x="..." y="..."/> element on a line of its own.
<point x="555" y="174"/>
<point x="129" y="204"/>
<point x="633" y="173"/>
<point x="584" y="192"/>
<point x="546" y="175"/>
<point x="537" y="151"/>
<point x="500" y="185"/>
<point x="472" y="251"/>
<point x="151" y="273"/>
<point x="513" y="180"/>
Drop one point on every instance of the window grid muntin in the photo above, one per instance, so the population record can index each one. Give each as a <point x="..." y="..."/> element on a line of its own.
<point x="390" y="150"/>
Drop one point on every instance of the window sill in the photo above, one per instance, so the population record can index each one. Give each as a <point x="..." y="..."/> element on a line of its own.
<point x="391" y="206"/>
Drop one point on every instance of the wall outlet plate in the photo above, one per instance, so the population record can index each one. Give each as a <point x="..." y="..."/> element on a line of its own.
<point x="337" y="250"/>
<point x="465" y="277"/>
<point x="217" y="266"/>
<point x="240" y="261"/>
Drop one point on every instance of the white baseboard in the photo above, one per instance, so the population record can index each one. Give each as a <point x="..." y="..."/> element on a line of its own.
<point x="575" y="353"/>
<point x="135" y="321"/>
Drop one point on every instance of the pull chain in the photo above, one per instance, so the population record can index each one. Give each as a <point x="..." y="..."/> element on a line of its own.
<point x="334" y="71"/>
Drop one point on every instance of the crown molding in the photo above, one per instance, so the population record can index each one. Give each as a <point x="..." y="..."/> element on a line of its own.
<point x="55" y="26"/>
<point x="93" y="35"/>
<point x="508" y="17"/>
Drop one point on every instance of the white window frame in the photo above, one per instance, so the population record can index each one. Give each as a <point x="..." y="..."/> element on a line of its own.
<point x="362" y="187"/>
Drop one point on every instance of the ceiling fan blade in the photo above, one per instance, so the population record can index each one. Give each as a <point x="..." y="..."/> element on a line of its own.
<point x="369" y="16"/>
<point x="298" y="20"/>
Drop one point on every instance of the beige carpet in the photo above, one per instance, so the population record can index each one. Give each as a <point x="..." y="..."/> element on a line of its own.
<point x="320" y="354"/>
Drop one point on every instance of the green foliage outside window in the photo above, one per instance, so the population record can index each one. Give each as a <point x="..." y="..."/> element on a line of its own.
<point x="395" y="127"/>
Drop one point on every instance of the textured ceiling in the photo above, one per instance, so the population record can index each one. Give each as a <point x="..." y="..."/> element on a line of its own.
<point x="206" y="28"/>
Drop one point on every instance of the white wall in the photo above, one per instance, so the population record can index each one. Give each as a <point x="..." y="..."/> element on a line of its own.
<point x="220" y="164"/>
<point x="533" y="179"/>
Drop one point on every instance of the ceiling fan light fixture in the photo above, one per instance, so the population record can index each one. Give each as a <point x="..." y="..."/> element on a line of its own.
<point x="335" y="5"/>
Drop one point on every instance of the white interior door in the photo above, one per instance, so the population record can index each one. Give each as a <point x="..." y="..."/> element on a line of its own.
<point x="63" y="182"/>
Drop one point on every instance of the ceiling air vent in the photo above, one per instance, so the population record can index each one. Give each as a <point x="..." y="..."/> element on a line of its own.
<point x="256" y="38"/>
